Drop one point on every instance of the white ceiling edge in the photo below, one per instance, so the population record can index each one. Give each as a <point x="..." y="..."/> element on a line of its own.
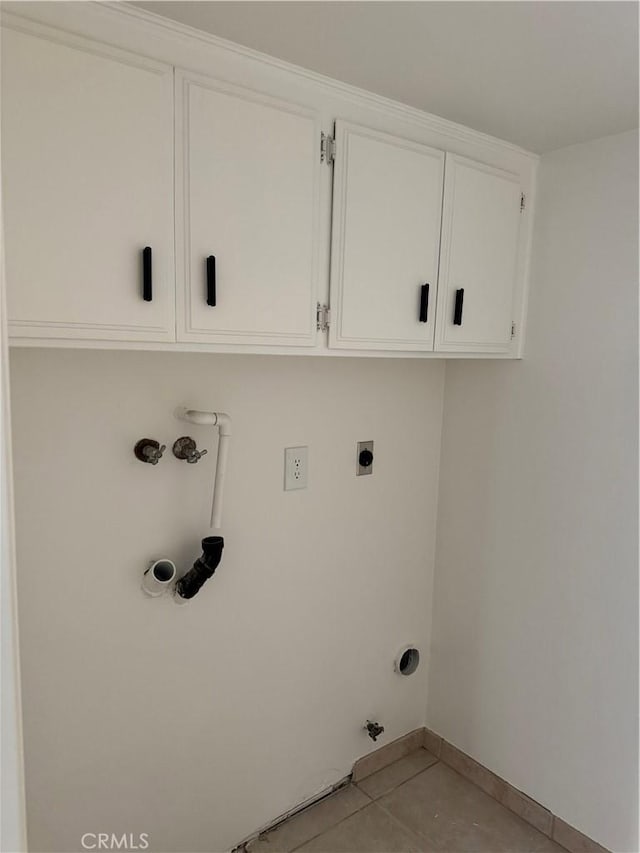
<point x="558" y="93"/>
<point x="415" y="114"/>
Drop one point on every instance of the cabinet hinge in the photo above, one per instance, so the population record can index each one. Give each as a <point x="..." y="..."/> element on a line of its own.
<point x="513" y="331"/>
<point x="522" y="202"/>
<point x="323" y="317"/>
<point x="327" y="148"/>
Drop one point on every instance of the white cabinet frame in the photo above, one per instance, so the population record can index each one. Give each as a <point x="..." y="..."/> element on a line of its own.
<point x="418" y="337"/>
<point x="188" y="279"/>
<point x="129" y="29"/>
<point x="446" y="341"/>
<point x="160" y="329"/>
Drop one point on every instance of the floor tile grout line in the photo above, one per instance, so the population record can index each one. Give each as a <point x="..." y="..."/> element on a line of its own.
<point x="372" y="802"/>
<point x="350" y="782"/>
<point x="415" y="835"/>
<point x="342" y="820"/>
<point x="408" y="779"/>
<point x="397" y="761"/>
<point x="362" y="808"/>
<point x="491" y="797"/>
<point x="498" y="800"/>
<point x="420" y="839"/>
<point x="554" y="816"/>
<point x="340" y="786"/>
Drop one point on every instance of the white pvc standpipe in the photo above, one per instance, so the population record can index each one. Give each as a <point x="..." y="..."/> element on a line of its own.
<point x="223" y="422"/>
<point x="158" y="577"/>
<point x="218" y="485"/>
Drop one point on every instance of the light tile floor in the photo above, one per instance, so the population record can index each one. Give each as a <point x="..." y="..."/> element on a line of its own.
<point x="415" y="805"/>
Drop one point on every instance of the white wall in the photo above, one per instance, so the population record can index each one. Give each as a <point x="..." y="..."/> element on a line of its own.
<point x="12" y="805"/>
<point x="534" y="667"/>
<point x="198" y="724"/>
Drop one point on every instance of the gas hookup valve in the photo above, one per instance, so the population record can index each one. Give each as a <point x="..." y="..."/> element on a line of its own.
<point x="374" y="729"/>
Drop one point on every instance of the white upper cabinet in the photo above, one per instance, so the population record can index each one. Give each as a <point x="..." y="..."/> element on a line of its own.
<point x="480" y="236"/>
<point x="387" y="201"/>
<point x="148" y="206"/>
<point x="88" y="183"/>
<point x="247" y="182"/>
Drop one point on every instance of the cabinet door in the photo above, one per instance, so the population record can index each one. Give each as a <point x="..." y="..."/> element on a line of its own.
<point x="247" y="183"/>
<point x="480" y="230"/>
<point x="87" y="160"/>
<point x="387" y="200"/>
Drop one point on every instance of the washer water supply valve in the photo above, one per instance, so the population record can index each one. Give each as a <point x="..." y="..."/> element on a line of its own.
<point x="185" y="448"/>
<point x="149" y="450"/>
<point x="374" y="730"/>
<point x="161" y="573"/>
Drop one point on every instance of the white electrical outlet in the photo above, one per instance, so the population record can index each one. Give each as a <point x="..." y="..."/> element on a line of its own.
<point x="295" y="468"/>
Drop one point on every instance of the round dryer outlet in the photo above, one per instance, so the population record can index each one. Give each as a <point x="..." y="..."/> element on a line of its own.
<point x="407" y="660"/>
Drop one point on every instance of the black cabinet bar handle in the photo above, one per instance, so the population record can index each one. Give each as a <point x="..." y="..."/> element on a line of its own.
<point x="147" y="283"/>
<point x="424" y="303"/>
<point x="211" y="281"/>
<point x="457" y="311"/>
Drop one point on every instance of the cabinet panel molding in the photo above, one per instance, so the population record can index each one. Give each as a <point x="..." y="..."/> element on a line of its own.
<point x="247" y="193"/>
<point x="481" y="230"/>
<point x="87" y="173"/>
<point x="385" y="241"/>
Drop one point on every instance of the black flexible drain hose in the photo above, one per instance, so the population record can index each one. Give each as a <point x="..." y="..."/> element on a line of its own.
<point x="203" y="568"/>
